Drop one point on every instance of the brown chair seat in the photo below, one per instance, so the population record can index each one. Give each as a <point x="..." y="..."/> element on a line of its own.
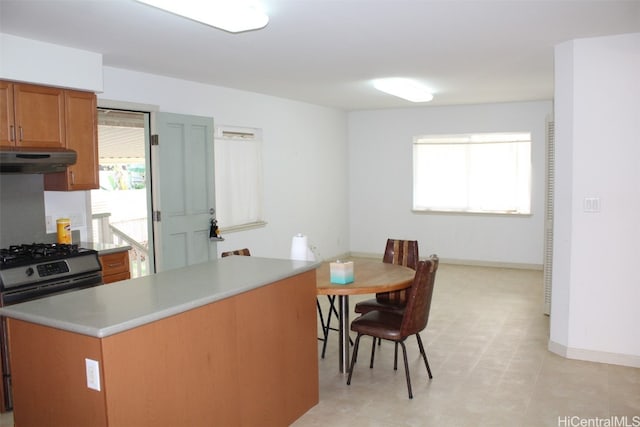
<point x="241" y="252"/>
<point x="381" y="324"/>
<point x="375" y="305"/>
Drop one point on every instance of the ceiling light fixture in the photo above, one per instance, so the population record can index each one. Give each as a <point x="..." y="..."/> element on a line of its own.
<point x="404" y="88"/>
<point x="234" y="16"/>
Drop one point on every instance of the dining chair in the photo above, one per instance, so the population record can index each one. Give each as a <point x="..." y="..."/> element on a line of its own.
<point x="398" y="327"/>
<point x="400" y="252"/>
<point x="242" y="252"/>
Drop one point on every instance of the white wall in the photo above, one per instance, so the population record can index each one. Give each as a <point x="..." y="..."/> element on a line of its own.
<point x="596" y="286"/>
<point x="74" y="205"/>
<point x="304" y="148"/>
<point x="38" y="62"/>
<point x="380" y="176"/>
<point x="49" y="64"/>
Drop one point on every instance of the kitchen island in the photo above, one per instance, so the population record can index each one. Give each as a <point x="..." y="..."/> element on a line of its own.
<point x="228" y="342"/>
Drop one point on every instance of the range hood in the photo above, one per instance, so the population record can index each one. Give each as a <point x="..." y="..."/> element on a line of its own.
<point x="35" y="160"/>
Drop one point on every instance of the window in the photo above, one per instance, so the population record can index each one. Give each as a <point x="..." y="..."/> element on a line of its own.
<point x="238" y="160"/>
<point x="479" y="173"/>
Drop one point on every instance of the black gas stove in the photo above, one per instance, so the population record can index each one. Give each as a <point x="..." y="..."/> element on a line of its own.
<point x="45" y="267"/>
<point x="38" y="270"/>
<point x="17" y="255"/>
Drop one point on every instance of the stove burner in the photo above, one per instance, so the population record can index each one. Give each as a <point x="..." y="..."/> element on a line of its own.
<point x="17" y="254"/>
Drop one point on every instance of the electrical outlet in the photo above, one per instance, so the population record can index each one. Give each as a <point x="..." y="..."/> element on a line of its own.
<point x="48" y="220"/>
<point x="93" y="374"/>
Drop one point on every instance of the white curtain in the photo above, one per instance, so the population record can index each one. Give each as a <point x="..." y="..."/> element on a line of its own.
<point x="473" y="173"/>
<point x="239" y="188"/>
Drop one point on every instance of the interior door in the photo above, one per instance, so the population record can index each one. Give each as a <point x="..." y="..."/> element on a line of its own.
<point x="184" y="195"/>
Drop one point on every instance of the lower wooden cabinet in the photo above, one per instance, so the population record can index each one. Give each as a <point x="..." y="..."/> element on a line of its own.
<point x="115" y="267"/>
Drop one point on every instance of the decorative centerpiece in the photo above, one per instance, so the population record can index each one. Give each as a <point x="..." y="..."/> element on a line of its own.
<point x="341" y="272"/>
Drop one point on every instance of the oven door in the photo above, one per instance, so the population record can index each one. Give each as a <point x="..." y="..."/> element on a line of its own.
<point x="48" y="288"/>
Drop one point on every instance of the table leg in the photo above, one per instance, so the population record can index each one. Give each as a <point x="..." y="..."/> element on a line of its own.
<point x="343" y="336"/>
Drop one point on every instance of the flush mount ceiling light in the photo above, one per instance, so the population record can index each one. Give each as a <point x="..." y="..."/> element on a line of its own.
<point x="404" y="88"/>
<point x="234" y="16"/>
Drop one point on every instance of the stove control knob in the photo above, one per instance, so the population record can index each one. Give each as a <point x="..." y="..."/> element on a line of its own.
<point x="29" y="271"/>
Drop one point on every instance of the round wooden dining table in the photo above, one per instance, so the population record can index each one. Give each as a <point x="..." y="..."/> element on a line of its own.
<point x="370" y="277"/>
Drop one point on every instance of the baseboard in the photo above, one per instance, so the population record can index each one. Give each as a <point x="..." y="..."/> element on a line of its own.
<point x="475" y="263"/>
<point x="365" y="255"/>
<point x="337" y="257"/>
<point x="594" y="356"/>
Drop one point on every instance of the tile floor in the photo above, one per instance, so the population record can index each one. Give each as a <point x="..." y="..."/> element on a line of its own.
<point x="487" y="347"/>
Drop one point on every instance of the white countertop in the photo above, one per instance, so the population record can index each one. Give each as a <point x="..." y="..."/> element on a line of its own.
<point x="109" y="309"/>
<point x="104" y="248"/>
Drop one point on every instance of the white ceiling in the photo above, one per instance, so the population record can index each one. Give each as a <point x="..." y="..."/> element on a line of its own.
<point x="327" y="51"/>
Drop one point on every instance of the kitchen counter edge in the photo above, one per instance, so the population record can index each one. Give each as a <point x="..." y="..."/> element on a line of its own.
<point x="110" y="309"/>
<point x="104" y="248"/>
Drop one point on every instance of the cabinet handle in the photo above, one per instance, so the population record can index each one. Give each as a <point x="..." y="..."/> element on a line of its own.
<point x="118" y="264"/>
<point x="73" y="178"/>
<point x="12" y="133"/>
<point x="21" y="133"/>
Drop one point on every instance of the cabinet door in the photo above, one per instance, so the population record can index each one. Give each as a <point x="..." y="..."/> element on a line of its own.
<point x="7" y="133"/>
<point x="115" y="267"/>
<point x="39" y="116"/>
<point x="81" y="117"/>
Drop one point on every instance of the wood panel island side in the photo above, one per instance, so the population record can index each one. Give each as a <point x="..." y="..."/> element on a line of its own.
<point x="229" y="342"/>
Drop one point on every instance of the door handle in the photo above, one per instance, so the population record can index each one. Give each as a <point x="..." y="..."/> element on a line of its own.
<point x="214" y="231"/>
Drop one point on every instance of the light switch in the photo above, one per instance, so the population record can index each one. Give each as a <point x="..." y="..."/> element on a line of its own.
<point x="591" y="204"/>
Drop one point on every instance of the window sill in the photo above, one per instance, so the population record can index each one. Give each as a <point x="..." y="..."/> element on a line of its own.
<point x="482" y="213"/>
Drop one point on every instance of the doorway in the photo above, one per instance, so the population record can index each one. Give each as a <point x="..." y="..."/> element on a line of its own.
<point x="120" y="207"/>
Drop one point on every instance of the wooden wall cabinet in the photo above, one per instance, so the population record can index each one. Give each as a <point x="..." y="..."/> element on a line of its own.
<point x="81" y="123"/>
<point x="48" y="117"/>
<point x="115" y="267"/>
<point x="31" y="115"/>
<point x="7" y="114"/>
